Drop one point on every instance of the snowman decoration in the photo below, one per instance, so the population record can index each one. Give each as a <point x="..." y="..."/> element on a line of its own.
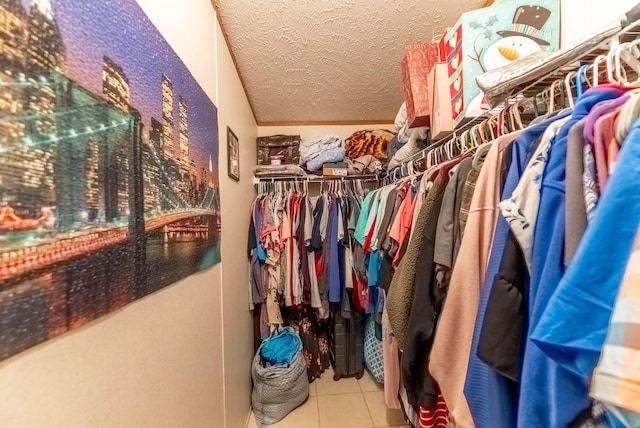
<point x="516" y="43"/>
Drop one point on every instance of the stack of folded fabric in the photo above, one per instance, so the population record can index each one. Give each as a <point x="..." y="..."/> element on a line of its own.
<point x="366" y="164"/>
<point x="332" y="155"/>
<point x="315" y="152"/>
<point x="312" y="147"/>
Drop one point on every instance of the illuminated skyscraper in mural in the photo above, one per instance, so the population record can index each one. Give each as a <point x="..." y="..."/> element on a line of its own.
<point x="45" y="50"/>
<point x="13" y="33"/>
<point x="45" y="57"/>
<point x="31" y="55"/>
<point x="151" y="167"/>
<point x="92" y="179"/>
<point x="115" y="85"/>
<point x="167" y="118"/>
<point x="115" y="90"/>
<point x="184" y="134"/>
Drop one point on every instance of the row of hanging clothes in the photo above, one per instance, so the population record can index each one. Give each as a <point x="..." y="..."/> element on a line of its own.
<point x="305" y="270"/>
<point x="511" y="276"/>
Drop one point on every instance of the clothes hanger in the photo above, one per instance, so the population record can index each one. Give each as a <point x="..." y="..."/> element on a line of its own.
<point x="552" y="96"/>
<point x="516" y="115"/>
<point x="493" y="132"/>
<point x="472" y="141"/>
<point x="611" y="66"/>
<point x="629" y="113"/>
<point x="481" y="132"/>
<point x="511" y="126"/>
<point x="595" y="68"/>
<point x="582" y="78"/>
<point x="627" y="55"/>
<point x="464" y="138"/>
<point x="620" y="55"/>
<point x="567" y="87"/>
<point x="450" y="149"/>
<point x="481" y="151"/>
<point x="503" y="122"/>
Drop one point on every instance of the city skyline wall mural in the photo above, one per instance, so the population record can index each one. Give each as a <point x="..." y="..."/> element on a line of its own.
<point x="109" y="184"/>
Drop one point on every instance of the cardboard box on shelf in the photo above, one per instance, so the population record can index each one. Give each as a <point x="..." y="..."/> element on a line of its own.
<point x="336" y="169"/>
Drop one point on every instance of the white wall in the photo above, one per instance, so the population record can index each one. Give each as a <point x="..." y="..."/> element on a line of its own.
<point x="180" y="357"/>
<point x="579" y="18"/>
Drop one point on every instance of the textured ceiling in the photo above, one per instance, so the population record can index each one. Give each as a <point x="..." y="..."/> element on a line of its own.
<point x="329" y="61"/>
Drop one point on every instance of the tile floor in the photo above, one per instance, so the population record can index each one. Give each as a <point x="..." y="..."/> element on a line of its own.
<point x="347" y="403"/>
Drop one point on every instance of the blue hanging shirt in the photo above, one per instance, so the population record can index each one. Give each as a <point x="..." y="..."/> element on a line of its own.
<point x="551" y="396"/>
<point x="574" y="324"/>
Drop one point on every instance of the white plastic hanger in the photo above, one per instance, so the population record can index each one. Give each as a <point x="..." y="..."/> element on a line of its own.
<point x="567" y="87"/>
<point x="595" y="68"/>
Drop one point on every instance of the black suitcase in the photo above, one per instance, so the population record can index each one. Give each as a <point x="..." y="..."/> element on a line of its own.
<point x="348" y="341"/>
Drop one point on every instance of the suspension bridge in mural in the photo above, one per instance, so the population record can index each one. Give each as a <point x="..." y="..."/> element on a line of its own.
<point x="91" y="183"/>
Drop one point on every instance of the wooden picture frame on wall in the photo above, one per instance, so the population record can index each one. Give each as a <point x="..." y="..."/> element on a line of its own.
<point x="233" y="155"/>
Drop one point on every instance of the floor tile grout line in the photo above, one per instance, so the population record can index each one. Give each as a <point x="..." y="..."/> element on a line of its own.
<point x="368" y="410"/>
<point x="341" y="393"/>
<point x="318" y="407"/>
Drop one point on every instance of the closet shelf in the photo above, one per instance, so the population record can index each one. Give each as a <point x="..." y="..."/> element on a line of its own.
<point x="313" y="178"/>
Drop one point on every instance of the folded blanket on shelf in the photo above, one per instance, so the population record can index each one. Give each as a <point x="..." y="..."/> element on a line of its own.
<point x="331" y="155"/>
<point x="369" y="142"/>
<point x="266" y="170"/>
<point x="312" y="147"/>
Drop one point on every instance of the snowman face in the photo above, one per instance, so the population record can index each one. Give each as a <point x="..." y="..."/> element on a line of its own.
<point x="507" y="50"/>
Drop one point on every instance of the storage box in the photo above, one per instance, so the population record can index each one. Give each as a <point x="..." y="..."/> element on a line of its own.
<point x="492" y="37"/>
<point x="419" y="58"/>
<point x="440" y="102"/>
<point x="336" y="169"/>
<point x="287" y="146"/>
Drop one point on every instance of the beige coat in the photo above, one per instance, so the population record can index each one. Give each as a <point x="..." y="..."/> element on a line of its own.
<point x="454" y="333"/>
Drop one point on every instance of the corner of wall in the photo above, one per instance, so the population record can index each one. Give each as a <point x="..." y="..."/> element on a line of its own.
<point x="235" y="112"/>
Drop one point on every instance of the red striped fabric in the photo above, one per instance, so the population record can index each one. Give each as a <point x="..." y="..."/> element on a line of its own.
<point x="434" y="417"/>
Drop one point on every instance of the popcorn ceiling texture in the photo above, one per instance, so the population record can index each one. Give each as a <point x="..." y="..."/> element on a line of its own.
<point x="315" y="60"/>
